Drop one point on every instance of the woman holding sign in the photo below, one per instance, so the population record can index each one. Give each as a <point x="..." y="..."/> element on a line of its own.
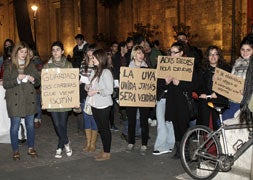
<point x="100" y="90"/>
<point x="240" y="69"/>
<point x="213" y="58"/>
<point x="19" y="80"/>
<point x="138" y="61"/>
<point x="177" y="109"/>
<point x="60" y="116"/>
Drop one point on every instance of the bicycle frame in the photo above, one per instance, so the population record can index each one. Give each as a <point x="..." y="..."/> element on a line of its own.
<point x="221" y="131"/>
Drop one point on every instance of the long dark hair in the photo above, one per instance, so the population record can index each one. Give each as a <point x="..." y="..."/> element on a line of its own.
<point x="102" y="57"/>
<point x="221" y="60"/>
<point x="245" y="114"/>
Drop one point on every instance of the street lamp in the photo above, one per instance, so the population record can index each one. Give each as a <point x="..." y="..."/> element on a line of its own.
<point x="34" y="9"/>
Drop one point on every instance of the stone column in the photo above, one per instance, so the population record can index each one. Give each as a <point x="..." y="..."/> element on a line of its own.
<point x="89" y="20"/>
<point x="67" y="25"/>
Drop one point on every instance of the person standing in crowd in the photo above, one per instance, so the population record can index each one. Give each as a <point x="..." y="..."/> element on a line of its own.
<point x="240" y="69"/>
<point x="246" y="106"/>
<point x="60" y="116"/>
<point x="191" y="51"/>
<point x="86" y="70"/>
<point x="112" y="55"/>
<point x="38" y="64"/>
<point x="165" y="138"/>
<point x="4" y="118"/>
<point x="79" y="50"/>
<point x="155" y="52"/>
<point x="177" y="109"/>
<point x="213" y="58"/>
<point x="8" y="45"/>
<point x="19" y="80"/>
<point x="100" y="91"/>
<point x="138" y="61"/>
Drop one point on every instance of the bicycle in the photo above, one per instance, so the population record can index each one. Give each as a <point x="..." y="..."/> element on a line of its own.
<point x="202" y="155"/>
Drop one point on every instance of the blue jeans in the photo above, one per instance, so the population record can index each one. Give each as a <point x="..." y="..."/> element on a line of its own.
<point x="89" y="121"/>
<point x="229" y="113"/>
<point x="15" y="123"/>
<point x="165" y="138"/>
<point x="60" y="120"/>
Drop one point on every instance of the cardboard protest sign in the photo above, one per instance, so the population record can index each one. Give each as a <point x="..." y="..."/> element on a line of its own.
<point x="60" y="88"/>
<point x="180" y="68"/>
<point x="137" y="87"/>
<point x="228" y="85"/>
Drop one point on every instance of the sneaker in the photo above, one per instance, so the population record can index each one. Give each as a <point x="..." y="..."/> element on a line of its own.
<point x="143" y="150"/>
<point x="114" y="128"/>
<point x="154" y="123"/>
<point x="160" y="152"/>
<point x="68" y="149"/>
<point x="58" y="153"/>
<point x="130" y="148"/>
<point x="150" y="120"/>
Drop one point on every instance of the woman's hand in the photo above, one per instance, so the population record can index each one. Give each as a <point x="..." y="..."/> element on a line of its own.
<point x="168" y="79"/>
<point x="213" y="95"/>
<point x="21" y="77"/>
<point x="175" y="82"/>
<point x="31" y="79"/>
<point x="203" y="96"/>
<point x="92" y="92"/>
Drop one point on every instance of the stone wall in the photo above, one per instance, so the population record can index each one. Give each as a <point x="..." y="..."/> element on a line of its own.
<point x="210" y="20"/>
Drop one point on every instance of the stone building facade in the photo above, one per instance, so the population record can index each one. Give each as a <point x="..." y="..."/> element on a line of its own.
<point x="209" y="20"/>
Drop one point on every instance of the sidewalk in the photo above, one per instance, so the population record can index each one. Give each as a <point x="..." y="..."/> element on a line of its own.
<point x="82" y="165"/>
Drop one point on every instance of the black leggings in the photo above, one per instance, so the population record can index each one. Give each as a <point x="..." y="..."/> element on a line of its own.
<point x="144" y="114"/>
<point x="101" y="117"/>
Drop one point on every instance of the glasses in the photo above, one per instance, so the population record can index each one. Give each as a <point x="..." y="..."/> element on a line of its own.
<point x="174" y="52"/>
<point x="215" y="54"/>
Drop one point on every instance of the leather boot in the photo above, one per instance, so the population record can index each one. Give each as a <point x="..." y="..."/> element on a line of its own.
<point x="104" y="156"/>
<point x="94" y="135"/>
<point x="177" y="150"/>
<point x="88" y="140"/>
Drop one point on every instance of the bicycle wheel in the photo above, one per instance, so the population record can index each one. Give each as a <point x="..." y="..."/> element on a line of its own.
<point x="198" y="155"/>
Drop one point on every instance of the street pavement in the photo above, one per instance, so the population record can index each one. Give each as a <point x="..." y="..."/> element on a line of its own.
<point x="81" y="165"/>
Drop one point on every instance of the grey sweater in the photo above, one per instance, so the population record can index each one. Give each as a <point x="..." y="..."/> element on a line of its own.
<point x="105" y="87"/>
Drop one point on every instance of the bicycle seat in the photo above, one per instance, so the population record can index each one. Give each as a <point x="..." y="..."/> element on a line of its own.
<point x="217" y="106"/>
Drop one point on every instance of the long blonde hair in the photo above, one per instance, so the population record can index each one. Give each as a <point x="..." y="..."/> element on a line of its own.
<point x="14" y="54"/>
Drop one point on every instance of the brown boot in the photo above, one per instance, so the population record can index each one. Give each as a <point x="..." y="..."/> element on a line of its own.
<point x="94" y="135"/>
<point x="88" y="140"/>
<point x="99" y="154"/>
<point x="104" y="156"/>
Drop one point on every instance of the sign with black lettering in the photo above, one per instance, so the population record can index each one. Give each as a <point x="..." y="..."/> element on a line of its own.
<point x="60" y="88"/>
<point x="180" y="68"/>
<point x="228" y="85"/>
<point x="137" y="87"/>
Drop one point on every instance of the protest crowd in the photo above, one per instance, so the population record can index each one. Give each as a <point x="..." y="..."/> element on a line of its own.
<point x="132" y="81"/>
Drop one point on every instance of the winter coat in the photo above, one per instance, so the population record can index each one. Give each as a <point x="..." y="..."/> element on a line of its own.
<point x="20" y="98"/>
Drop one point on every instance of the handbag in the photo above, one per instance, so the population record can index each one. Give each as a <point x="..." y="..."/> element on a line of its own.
<point x="87" y="106"/>
<point x="191" y="106"/>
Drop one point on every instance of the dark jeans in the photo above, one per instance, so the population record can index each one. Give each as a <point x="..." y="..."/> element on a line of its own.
<point x="144" y="114"/>
<point x="101" y="117"/>
<point x="60" y="120"/>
